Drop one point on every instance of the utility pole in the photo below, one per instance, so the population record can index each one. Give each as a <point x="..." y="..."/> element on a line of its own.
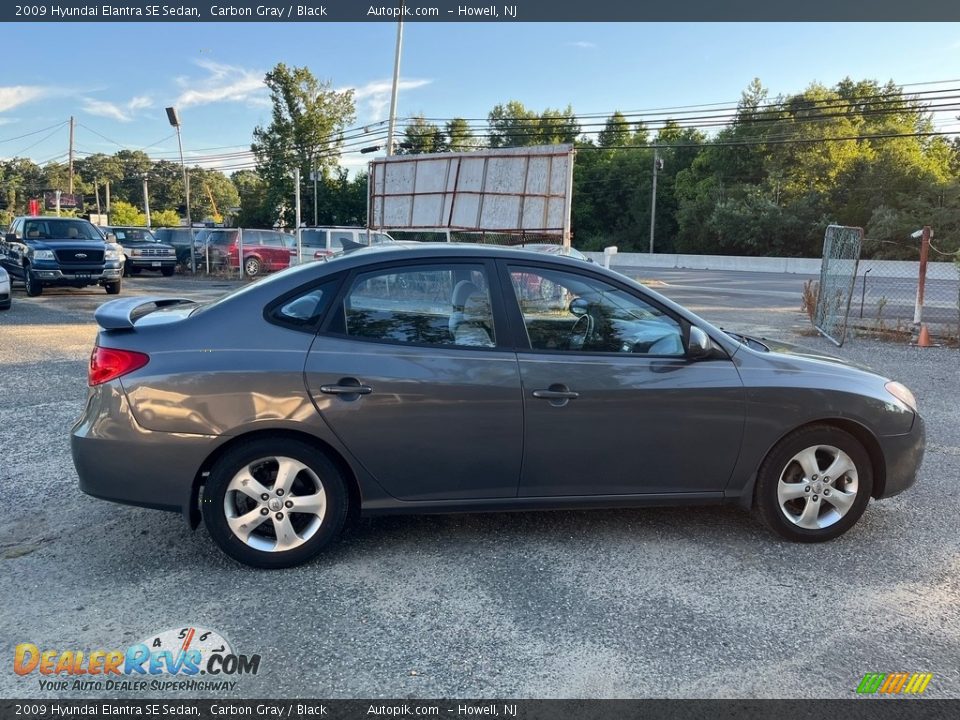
<point x="108" y="201"/>
<point x="653" y="196"/>
<point x="146" y="200"/>
<point x="71" y="154"/>
<point x="396" y="81"/>
<point x="96" y="191"/>
<point x="313" y="176"/>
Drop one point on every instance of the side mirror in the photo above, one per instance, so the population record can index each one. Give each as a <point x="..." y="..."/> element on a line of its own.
<point x="699" y="344"/>
<point x="111" y="238"/>
<point x="579" y="306"/>
<point x="10" y="237"/>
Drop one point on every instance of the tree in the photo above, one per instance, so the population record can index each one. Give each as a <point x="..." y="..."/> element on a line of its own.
<point x="460" y="137"/>
<point x="164" y="218"/>
<point x="422" y="137"/>
<point x="305" y="131"/>
<point x="616" y="132"/>
<point x="123" y="213"/>
<point x="254" y="210"/>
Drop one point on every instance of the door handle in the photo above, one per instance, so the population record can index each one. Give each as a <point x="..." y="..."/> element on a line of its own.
<point x="347" y="386"/>
<point x="555" y="393"/>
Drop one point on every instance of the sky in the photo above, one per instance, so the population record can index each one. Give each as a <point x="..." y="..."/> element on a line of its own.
<point x="116" y="78"/>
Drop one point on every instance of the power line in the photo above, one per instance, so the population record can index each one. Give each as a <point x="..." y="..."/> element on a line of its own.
<point x="35" y="132"/>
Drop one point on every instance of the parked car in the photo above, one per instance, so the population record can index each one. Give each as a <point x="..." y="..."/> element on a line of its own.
<point x="318" y="242"/>
<point x="181" y="238"/>
<point x="142" y="250"/>
<point x="406" y="379"/>
<point x="46" y="251"/>
<point x="263" y="250"/>
<point x="4" y="289"/>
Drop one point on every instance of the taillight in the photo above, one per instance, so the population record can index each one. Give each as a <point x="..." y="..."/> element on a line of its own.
<point x="109" y="363"/>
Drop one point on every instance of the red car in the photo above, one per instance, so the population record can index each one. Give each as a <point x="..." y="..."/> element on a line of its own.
<point x="263" y="250"/>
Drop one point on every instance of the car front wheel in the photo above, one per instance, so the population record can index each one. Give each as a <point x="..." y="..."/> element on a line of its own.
<point x="815" y="484"/>
<point x="274" y="503"/>
<point x="33" y="286"/>
<point x="112" y="288"/>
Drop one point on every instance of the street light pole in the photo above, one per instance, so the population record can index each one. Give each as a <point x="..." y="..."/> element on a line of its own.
<point x="174" y="117"/>
<point x="396" y="82"/>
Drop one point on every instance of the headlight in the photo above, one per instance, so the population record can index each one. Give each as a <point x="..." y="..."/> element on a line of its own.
<point x="43" y="255"/>
<point x="136" y="252"/>
<point x="111" y="255"/>
<point x="901" y="393"/>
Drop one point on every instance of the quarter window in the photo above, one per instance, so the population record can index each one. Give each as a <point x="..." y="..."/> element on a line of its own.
<point x="570" y="312"/>
<point x="429" y="304"/>
<point x="305" y="309"/>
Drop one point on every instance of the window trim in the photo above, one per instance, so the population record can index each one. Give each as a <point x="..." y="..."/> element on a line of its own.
<point x="521" y="340"/>
<point x="502" y="337"/>
<point x="309" y="328"/>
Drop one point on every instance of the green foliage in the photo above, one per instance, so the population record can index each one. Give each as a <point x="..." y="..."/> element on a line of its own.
<point x="123" y="213"/>
<point x="164" y="218"/>
<point x="305" y="130"/>
<point x="423" y="137"/>
<point x="513" y="125"/>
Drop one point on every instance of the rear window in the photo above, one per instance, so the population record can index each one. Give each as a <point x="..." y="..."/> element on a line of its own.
<point x="219" y="237"/>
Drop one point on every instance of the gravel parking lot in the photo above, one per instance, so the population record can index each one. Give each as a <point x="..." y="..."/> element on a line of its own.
<point x="630" y="603"/>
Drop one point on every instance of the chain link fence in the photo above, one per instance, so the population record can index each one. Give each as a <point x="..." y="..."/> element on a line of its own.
<point x="838" y="271"/>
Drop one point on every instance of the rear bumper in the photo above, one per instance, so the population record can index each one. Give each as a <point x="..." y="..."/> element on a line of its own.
<point x="118" y="460"/>
<point x="903" y="455"/>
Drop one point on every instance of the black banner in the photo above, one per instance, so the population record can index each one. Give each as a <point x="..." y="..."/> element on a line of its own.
<point x="465" y="11"/>
<point x="854" y="709"/>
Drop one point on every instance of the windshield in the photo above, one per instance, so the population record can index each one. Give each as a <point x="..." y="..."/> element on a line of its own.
<point x="125" y="235"/>
<point x="60" y="229"/>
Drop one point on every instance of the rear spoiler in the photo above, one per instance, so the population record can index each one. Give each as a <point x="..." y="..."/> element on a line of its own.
<point x="122" y="314"/>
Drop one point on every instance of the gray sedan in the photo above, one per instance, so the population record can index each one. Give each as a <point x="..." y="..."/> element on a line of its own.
<point x="445" y="378"/>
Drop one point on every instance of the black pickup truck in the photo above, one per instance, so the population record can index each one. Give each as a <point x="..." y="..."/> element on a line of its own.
<point x="53" y="251"/>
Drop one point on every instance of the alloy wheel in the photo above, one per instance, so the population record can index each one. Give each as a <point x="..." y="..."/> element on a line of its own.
<point x="817" y="487"/>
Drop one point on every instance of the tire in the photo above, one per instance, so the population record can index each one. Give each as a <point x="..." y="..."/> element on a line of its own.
<point x="112" y="288"/>
<point x="251" y="266"/>
<point x="135" y="270"/>
<point x="308" y="532"/>
<point x="6" y="305"/>
<point x="167" y="271"/>
<point x="127" y="270"/>
<point x="805" y="508"/>
<point x="33" y="286"/>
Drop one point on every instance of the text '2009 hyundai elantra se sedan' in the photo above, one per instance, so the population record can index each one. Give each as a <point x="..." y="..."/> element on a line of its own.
<point x="446" y="378"/>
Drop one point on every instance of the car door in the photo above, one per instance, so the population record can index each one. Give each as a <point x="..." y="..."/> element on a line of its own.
<point x="14" y="250"/>
<point x="612" y="405"/>
<point x="410" y="373"/>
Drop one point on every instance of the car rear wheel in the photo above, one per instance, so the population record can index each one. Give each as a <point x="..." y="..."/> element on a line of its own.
<point x="815" y="484"/>
<point x="251" y="266"/>
<point x="34" y="287"/>
<point x="274" y="503"/>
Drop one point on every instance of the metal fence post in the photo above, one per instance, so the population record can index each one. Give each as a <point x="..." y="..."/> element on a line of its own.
<point x="240" y="251"/>
<point x="863" y="290"/>
<point x="921" y="282"/>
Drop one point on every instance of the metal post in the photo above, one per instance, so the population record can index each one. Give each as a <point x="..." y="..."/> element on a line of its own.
<point x="314" y="173"/>
<point x="96" y="192"/>
<point x="924" y="253"/>
<point x="146" y="200"/>
<point x="58" y="202"/>
<point x="863" y="290"/>
<point x="240" y="250"/>
<point x="396" y="81"/>
<point x="71" y="155"/>
<point x="296" y="180"/>
<point x="653" y="195"/>
<point x="186" y="190"/>
<point x="108" y="201"/>
<point x="567" y="201"/>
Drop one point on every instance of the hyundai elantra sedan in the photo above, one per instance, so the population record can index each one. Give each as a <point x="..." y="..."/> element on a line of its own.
<point x="429" y="379"/>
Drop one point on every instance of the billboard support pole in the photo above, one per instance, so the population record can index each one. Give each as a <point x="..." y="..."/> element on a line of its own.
<point x="568" y="200"/>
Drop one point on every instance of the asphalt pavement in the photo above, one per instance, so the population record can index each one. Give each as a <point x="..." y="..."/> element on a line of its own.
<point x="658" y="602"/>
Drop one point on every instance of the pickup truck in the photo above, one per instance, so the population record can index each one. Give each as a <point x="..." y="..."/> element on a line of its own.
<point x="43" y="251"/>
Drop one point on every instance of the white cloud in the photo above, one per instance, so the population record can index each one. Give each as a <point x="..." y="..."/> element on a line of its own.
<point x="376" y="94"/>
<point x="583" y="44"/>
<point x="13" y="95"/>
<point x="122" y="112"/>
<point x="223" y="83"/>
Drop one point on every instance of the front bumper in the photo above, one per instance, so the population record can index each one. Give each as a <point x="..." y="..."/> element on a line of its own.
<point x="152" y="263"/>
<point x="57" y="276"/>
<point x="118" y="460"/>
<point x="903" y="455"/>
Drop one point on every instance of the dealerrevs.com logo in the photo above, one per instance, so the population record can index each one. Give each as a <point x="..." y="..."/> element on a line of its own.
<point x="165" y="661"/>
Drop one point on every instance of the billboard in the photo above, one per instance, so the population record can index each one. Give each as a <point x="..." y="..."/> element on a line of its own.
<point x="508" y="190"/>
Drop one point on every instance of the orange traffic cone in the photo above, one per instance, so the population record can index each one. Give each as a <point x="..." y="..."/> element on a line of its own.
<point x="924" y="338"/>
